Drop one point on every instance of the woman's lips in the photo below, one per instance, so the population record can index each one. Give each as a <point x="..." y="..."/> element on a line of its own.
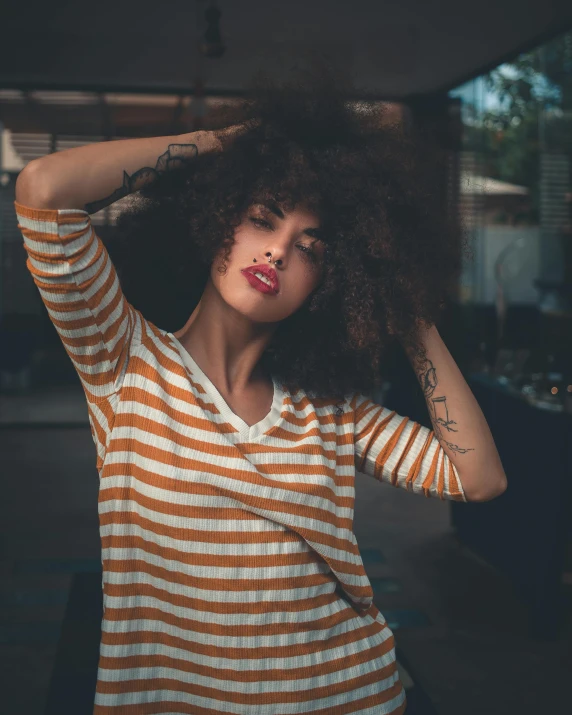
<point x="257" y="283"/>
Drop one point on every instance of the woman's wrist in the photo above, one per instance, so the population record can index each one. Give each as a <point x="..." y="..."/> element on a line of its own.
<point x="205" y="141"/>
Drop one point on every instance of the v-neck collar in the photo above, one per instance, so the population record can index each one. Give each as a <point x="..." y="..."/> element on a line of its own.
<point x="245" y="431"/>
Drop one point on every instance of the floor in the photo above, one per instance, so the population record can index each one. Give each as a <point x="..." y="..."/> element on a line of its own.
<point x="457" y="624"/>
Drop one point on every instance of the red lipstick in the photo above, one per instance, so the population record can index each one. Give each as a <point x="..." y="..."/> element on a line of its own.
<point x="260" y="284"/>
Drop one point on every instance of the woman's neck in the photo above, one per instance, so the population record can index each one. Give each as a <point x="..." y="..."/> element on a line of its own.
<point x="224" y="344"/>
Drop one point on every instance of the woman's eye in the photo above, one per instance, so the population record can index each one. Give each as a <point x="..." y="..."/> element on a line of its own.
<point x="308" y="251"/>
<point x="260" y="222"/>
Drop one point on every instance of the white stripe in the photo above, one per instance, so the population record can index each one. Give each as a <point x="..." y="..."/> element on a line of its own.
<point x="124" y="507"/>
<point x="150" y="438"/>
<point x="293" y="619"/>
<point x="273" y="641"/>
<point x="222" y="684"/>
<point x="126" y="579"/>
<point x="297" y="708"/>
<point x="239" y="575"/>
<point x="222" y="548"/>
<point x="236" y="484"/>
<point x="300" y="660"/>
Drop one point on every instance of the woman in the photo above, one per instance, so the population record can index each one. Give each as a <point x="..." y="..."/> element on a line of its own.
<point x="227" y="449"/>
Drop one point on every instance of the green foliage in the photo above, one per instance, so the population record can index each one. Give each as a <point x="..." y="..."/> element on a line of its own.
<point x="535" y="113"/>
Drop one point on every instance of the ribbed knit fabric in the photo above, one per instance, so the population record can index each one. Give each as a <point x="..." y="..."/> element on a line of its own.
<point x="232" y="579"/>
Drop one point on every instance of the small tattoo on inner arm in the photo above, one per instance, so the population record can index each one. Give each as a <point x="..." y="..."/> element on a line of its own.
<point x="175" y="156"/>
<point x="438" y="410"/>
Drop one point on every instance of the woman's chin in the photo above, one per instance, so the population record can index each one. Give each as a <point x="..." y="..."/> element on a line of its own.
<point x="257" y="312"/>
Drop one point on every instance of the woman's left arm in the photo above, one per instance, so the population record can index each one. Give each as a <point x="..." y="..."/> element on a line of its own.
<point x="457" y="419"/>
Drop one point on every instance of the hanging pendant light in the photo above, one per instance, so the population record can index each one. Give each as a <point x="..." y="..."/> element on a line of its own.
<point x="212" y="45"/>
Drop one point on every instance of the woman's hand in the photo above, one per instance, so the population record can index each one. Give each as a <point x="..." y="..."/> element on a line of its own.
<point x="221" y="139"/>
<point x="227" y="135"/>
<point x="421" y="326"/>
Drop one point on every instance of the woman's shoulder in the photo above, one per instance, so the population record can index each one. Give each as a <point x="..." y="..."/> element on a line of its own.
<point x="303" y="398"/>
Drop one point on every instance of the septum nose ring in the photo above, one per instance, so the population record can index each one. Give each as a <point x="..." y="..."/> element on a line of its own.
<point x="269" y="260"/>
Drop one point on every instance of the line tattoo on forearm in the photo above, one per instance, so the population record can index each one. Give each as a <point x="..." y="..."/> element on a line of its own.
<point x="175" y="156"/>
<point x="438" y="411"/>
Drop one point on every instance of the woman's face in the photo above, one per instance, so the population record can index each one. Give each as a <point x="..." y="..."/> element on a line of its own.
<point x="291" y="240"/>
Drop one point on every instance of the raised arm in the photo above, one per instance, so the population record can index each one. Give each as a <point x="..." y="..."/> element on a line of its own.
<point x="458" y="422"/>
<point x="94" y="176"/>
<point x="455" y="460"/>
<point x="70" y="264"/>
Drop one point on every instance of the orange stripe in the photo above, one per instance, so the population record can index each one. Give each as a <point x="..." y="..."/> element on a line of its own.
<point x="335" y="543"/>
<point x="224" y="607"/>
<point x="131" y="541"/>
<point x="230" y="514"/>
<point x="156" y="708"/>
<point x="315" y="670"/>
<point x="48" y="214"/>
<point x="232" y="474"/>
<point x="416" y="466"/>
<point x="258" y="699"/>
<point x="193" y="625"/>
<point x="387" y="449"/>
<point x="376" y="429"/>
<point x="192" y="559"/>
<point x="260" y="653"/>
<point x="412" y="437"/>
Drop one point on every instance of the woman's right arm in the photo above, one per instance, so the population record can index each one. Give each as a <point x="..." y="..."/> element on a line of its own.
<point x="69" y="263"/>
<point x="94" y="176"/>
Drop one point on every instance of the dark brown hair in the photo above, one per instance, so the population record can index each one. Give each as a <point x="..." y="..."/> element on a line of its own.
<point x="392" y="252"/>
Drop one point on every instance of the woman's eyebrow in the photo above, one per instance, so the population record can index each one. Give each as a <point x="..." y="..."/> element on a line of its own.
<point x="272" y="206"/>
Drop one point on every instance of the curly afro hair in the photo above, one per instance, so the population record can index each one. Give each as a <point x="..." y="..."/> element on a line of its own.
<point x="393" y="249"/>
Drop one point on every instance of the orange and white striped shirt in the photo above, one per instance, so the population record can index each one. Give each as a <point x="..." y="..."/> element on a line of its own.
<point x="232" y="579"/>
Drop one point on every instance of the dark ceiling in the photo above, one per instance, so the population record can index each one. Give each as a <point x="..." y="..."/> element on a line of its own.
<point x="395" y="49"/>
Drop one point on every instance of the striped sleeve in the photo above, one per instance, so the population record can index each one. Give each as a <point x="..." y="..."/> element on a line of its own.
<point x="80" y="289"/>
<point x="401" y="452"/>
